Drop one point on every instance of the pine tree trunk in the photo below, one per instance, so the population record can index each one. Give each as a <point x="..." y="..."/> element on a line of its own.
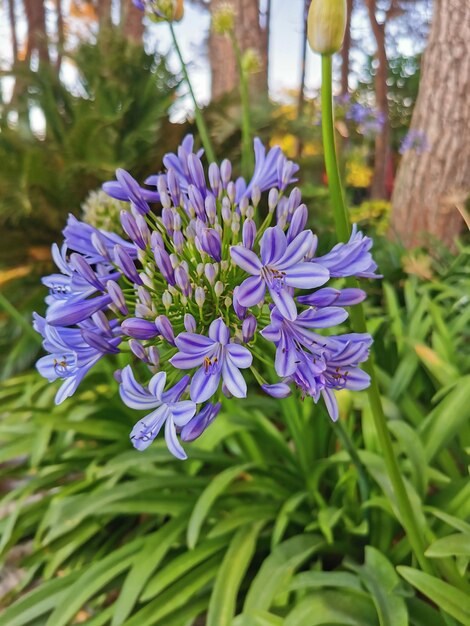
<point x="14" y="37"/>
<point x="382" y="139"/>
<point x="133" y="25"/>
<point x="249" y="34"/>
<point x="37" y="35"/>
<point x="104" y="13"/>
<point x="431" y="185"/>
<point x="60" y="34"/>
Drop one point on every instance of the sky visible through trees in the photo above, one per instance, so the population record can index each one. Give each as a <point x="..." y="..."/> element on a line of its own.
<point x="284" y="54"/>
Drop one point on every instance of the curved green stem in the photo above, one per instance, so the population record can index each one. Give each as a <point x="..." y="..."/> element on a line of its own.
<point x="201" y="125"/>
<point x="247" y="152"/>
<point x="348" y="445"/>
<point x="343" y="230"/>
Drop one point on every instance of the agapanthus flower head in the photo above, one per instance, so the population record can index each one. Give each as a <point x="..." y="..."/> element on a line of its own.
<point x="209" y="279"/>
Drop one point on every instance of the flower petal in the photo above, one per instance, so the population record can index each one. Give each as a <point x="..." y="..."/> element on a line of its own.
<point x="146" y="429"/>
<point x="240" y="356"/>
<point x="251" y="291"/>
<point x="172" y="442"/>
<point x="219" y="332"/>
<point x="286" y="357"/>
<point x="322" y="318"/>
<point x="186" y="361"/>
<point x="182" y="412"/>
<point x="306" y="275"/>
<point x="271" y="333"/>
<point x="285" y="304"/>
<point x="278" y="390"/>
<point x="157" y="385"/>
<point x="193" y="343"/>
<point x="233" y="378"/>
<point x="273" y="245"/>
<point x="204" y="385"/>
<point x="246" y="259"/>
<point x="331" y="403"/>
<point x="296" y="250"/>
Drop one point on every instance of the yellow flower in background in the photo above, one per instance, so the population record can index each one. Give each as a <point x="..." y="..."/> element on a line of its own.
<point x="358" y="174"/>
<point x="288" y="144"/>
<point x="375" y="213"/>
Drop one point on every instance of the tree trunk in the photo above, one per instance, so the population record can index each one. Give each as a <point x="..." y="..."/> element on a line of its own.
<point x="37" y="35"/>
<point x="60" y="35"/>
<point x="382" y="139"/>
<point x="133" y="25"/>
<point x="249" y="34"/>
<point x="431" y="185"/>
<point x="14" y="37"/>
<point x="104" y="13"/>
<point x="346" y="50"/>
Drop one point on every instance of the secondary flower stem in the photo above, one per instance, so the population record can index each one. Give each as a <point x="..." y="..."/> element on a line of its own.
<point x="343" y="230"/>
<point x="19" y="319"/>
<point x="247" y="153"/>
<point x="348" y="445"/>
<point x="201" y="125"/>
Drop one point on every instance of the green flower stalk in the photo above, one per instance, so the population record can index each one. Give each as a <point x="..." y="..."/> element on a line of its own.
<point x="326" y="25"/>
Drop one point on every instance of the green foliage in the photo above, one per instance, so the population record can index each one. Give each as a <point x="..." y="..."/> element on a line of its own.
<point x="114" y="117"/>
<point x="264" y="525"/>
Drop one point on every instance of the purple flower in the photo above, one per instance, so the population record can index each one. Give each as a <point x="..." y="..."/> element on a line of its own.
<point x="290" y="336"/>
<point x="138" y="328"/>
<point x="166" y="409"/>
<point x="415" y="140"/>
<point x="350" y="259"/>
<point x="200" y="422"/>
<point x="341" y="370"/>
<point x="71" y="355"/>
<point x="277" y="390"/>
<point x="337" y="297"/>
<point x="271" y="170"/>
<point x="127" y="189"/>
<point x="281" y="268"/>
<point x="70" y="312"/>
<point x="219" y="359"/>
<point x="78" y="236"/>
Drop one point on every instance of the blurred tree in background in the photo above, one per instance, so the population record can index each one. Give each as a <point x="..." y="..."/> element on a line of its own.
<point x="433" y="184"/>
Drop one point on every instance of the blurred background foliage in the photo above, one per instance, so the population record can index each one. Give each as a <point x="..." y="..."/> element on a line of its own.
<point x="265" y="524"/>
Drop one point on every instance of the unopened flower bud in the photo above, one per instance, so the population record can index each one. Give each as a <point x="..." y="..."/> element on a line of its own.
<point x="154" y="356"/>
<point x="189" y="323"/>
<point x="219" y="288"/>
<point x="138" y="349"/>
<point x="167" y="300"/>
<point x="225" y="172"/>
<point x="243" y="205"/>
<point x="164" y="327"/>
<point x="326" y="25"/>
<point x="231" y="191"/>
<point x="214" y="178"/>
<point x="249" y="327"/>
<point x="200" y="296"/>
<point x="273" y="198"/>
<point x="255" y="195"/>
